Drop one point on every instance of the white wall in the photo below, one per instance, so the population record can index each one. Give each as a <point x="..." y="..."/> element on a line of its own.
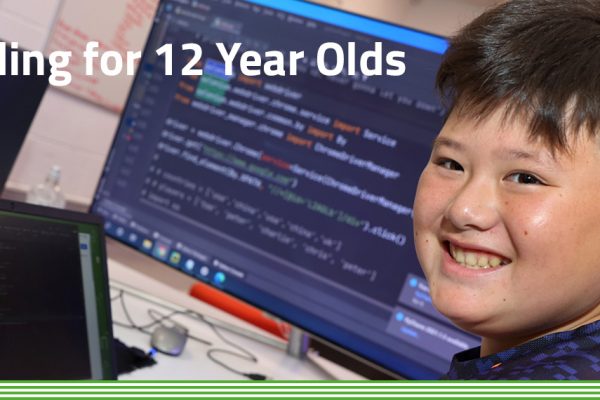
<point x="76" y="135"/>
<point x="443" y="17"/>
<point x="66" y="131"/>
<point x="71" y="133"/>
<point x="27" y="21"/>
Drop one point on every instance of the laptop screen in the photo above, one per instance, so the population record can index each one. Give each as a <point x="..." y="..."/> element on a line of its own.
<point x="54" y="306"/>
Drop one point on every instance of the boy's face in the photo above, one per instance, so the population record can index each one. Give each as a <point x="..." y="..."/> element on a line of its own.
<point x="529" y="222"/>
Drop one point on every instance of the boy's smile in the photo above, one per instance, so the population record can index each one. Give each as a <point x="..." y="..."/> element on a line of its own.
<point x="507" y="233"/>
<point x="473" y="257"/>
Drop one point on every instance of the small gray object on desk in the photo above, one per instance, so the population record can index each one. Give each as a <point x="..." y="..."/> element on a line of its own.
<point x="169" y="339"/>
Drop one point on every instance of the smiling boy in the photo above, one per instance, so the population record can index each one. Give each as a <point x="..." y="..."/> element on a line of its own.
<point x="507" y="211"/>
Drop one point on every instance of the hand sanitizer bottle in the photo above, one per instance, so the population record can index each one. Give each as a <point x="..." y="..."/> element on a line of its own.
<point x="48" y="193"/>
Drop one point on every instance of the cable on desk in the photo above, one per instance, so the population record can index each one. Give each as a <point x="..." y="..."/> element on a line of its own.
<point x="163" y="317"/>
<point x="155" y="320"/>
<point x="243" y="353"/>
<point x="117" y="296"/>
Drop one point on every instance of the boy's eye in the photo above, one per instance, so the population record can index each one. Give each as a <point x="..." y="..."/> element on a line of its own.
<point x="524" y="178"/>
<point x="449" y="164"/>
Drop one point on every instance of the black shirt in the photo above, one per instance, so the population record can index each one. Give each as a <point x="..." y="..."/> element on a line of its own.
<point x="564" y="355"/>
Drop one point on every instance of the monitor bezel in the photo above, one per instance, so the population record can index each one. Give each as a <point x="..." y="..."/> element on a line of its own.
<point x="337" y="352"/>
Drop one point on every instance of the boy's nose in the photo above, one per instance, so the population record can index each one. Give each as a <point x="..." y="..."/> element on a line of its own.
<point x="474" y="206"/>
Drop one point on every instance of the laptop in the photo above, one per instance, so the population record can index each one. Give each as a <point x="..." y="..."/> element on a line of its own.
<point x="55" y="320"/>
<point x="20" y="97"/>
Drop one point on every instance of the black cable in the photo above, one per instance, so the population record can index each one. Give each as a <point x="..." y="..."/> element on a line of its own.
<point x="142" y="328"/>
<point x="132" y="323"/>
<point x="159" y="320"/>
<point x="245" y="354"/>
<point x="126" y="326"/>
<point x="117" y="296"/>
<point x="128" y="317"/>
<point x="163" y="317"/>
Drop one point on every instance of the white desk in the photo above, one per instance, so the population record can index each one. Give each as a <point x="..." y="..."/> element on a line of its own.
<point x="193" y="363"/>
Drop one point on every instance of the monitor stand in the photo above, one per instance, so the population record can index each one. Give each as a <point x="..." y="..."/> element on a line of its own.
<point x="298" y="343"/>
<point x="296" y="346"/>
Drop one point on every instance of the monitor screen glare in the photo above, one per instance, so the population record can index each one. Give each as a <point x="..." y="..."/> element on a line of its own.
<point x="293" y="193"/>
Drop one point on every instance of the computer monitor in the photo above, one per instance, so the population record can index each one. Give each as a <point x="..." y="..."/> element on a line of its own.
<point x="20" y="97"/>
<point x="54" y="304"/>
<point x="293" y="193"/>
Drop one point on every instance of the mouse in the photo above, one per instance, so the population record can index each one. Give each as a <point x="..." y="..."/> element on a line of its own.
<point x="169" y="339"/>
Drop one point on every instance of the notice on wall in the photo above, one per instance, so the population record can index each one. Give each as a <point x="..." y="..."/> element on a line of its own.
<point x="118" y="25"/>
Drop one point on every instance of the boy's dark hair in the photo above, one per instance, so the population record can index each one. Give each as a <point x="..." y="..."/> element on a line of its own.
<point x="538" y="58"/>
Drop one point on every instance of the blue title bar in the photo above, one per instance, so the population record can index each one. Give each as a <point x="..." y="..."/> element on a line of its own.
<point x="357" y="23"/>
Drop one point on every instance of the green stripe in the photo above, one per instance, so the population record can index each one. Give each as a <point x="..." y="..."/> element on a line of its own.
<point x="289" y="386"/>
<point x="284" y="397"/>
<point x="303" y="383"/>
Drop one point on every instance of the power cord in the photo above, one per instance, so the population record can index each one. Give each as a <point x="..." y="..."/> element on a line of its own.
<point x="158" y="318"/>
<point x="161" y="317"/>
<point x="243" y="353"/>
<point x="155" y="321"/>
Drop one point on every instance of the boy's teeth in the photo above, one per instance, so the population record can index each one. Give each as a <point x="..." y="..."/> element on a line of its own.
<point x="470" y="259"/>
<point x="460" y="256"/>
<point x="474" y="260"/>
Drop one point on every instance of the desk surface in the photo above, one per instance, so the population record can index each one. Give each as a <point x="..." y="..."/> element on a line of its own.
<point x="194" y="362"/>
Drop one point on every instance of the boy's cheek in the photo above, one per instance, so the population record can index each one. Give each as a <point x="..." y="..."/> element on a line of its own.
<point x="425" y="249"/>
<point x="429" y="201"/>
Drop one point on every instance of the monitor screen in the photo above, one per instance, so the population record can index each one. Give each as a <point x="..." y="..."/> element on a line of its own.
<point x="293" y="193"/>
<point x="54" y="307"/>
<point x="20" y="97"/>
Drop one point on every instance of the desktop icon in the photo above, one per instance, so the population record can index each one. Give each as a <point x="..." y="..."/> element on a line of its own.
<point x="160" y="251"/>
<point x="219" y="278"/>
<point x="189" y="265"/>
<point x="175" y="258"/>
<point x="147" y="244"/>
<point x="133" y="237"/>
